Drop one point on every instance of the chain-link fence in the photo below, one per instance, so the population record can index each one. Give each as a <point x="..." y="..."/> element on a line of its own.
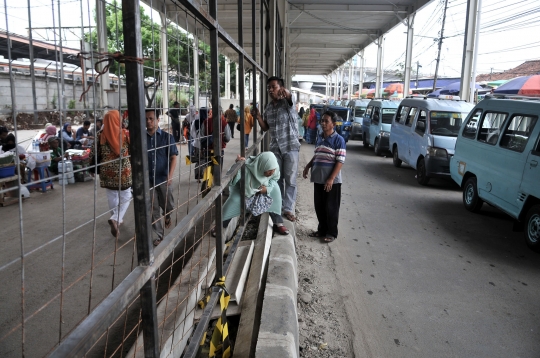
<point x="116" y="176"/>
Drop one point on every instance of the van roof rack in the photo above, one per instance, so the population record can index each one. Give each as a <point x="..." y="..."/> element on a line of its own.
<point x="510" y="96"/>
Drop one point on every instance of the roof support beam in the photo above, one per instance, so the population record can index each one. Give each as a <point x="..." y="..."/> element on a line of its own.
<point x="346" y="7"/>
<point x="330" y="31"/>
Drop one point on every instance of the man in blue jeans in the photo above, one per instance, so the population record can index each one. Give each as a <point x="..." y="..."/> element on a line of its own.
<point x="280" y="118"/>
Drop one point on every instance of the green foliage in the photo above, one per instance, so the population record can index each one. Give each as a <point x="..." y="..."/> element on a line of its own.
<point x="53" y="102"/>
<point x="71" y="104"/>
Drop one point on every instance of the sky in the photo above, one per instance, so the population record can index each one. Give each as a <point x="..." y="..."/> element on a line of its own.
<point x="509" y="36"/>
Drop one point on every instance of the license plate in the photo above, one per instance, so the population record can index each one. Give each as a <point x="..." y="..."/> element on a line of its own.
<point x="339" y="123"/>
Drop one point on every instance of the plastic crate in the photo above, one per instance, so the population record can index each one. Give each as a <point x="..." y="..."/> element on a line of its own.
<point x="7" y="171"/>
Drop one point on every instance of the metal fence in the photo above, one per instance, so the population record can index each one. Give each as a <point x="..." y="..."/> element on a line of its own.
<point x="73" y="285"/>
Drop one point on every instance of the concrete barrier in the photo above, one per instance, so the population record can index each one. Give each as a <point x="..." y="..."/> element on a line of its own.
<point x="278" y="332"/>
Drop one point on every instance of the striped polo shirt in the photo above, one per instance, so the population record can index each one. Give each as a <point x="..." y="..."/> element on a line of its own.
<point x="328" y="152"/>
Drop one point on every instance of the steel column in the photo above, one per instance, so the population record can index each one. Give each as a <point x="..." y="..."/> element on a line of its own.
<point x="237" y="90"/>
<point x="408" y="55"/>
<point x="378" y="84"/>
<point x="469" y="46"/>
<point x="227" y="77"/>
<point x="240" y="89"/>
<point x="351" y="82"/>
<point x="254" y="68"/>
<point x="361" y="79"/>
<point x="164" y="65"/>
<point x="139" y="163"/>
<point x="196" y="89"/>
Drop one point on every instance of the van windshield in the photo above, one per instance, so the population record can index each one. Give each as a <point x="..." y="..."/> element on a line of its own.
<point x="446" y="123"/>
<point x="388" y="115"/>
<point x="359" y="111"/>
<point x="343" y="114"/>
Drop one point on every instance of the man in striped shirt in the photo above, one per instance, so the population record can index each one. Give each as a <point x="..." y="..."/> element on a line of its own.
<point x="326" y="175"/>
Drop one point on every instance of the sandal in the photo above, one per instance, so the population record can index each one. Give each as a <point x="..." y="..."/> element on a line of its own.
<point x="329" y="239"/>
<point x="167" y="223"/>
<point x="282" y="230"/>
<point x="315" y="234"/>
<point x="290" y="217"/>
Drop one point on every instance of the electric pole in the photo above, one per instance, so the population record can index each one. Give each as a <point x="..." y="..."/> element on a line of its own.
<point x="440" y="45"/>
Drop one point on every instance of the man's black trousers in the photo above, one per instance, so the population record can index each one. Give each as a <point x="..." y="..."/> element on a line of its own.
<point x="327" y="209"/>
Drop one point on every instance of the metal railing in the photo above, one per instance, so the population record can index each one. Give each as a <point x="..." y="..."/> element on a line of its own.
<point x="69" y="288"/>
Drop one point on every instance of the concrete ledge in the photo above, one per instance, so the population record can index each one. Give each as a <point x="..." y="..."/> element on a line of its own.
<point x="278" y="332"/>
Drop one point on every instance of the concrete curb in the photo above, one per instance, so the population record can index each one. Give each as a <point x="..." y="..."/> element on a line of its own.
<point x="278" y="332"/>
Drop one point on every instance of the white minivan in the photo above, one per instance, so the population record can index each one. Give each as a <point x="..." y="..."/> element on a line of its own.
<point x="496" y="160"/>
<point x="424" y="132"/>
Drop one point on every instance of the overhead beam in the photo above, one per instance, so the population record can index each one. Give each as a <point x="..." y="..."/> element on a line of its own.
<point x="346" y="7"/>
<point x="325" y="45"/>
<point x="331" y="31"/>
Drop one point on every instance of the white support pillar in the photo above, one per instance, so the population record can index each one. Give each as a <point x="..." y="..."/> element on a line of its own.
<point x="351" y="82"/>
<point x="104" y="83"/>
<point x="361" y="80"/>
<point x="341" y="74"/>
<point x="336" y="85"/>
<point x="164" y="66"/>
<point x="408" y="55"/>
<point x="196" y="71"/>
<point x="237" y="92"/>
<point x="227" y="77"/>
<point x="469" y="48"/>
<point x="379" y="80"/>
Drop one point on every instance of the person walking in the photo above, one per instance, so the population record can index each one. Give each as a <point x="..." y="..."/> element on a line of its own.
<point x="231" y="117"/>
<point x="175" y="121"/>
<point x="325" y="168"/>
<point x="280" y="118"/>
<point x="248" y="124"/>
<point x="162" y="156"/>
<point x="112" y="146"/>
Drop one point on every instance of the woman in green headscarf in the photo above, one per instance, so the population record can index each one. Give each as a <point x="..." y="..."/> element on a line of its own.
<point x="262" y="175"/>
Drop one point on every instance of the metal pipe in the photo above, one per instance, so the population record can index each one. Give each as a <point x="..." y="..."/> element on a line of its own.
<point x="379" y="79"/>
<point x="131" y="18"/>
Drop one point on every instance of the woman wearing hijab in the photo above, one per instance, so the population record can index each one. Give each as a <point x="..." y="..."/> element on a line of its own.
<point x="262" y="175"/>
<point x="50" y="131"/>
<point x="312" y="127"/>
<point x="68" y="135"/>
<point x="114" y="167"/>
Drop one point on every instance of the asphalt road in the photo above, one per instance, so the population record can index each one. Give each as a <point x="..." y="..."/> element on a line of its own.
<point x="423" y="277"/>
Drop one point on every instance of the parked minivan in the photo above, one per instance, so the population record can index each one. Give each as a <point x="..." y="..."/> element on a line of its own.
<point x="343" y="126"/>
<point x="496" y="160"/>
<point x="358" y="108"/>
<point x="377" y="123"/>
<point x="424" y="132"/>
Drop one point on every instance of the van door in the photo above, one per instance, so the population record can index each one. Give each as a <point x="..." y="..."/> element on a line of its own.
<point x="531" y="172"/>
<point x="417" y="140"/>
<point x="375" y="124"/>
<point x="409" y="136"/>
<point x="397" y="135"/>
<point x="366" y="121"/>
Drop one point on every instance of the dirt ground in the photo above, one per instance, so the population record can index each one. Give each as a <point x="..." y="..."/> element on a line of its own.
<point x="324" y="328"/>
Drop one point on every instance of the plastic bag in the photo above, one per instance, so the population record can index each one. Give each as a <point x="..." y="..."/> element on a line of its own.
<point x="258" y="204"/>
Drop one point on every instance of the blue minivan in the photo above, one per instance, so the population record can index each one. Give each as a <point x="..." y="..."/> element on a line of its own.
<point x="358" y="108"/>
<point x="343" y="126"/>
<point x="496" y="160"/>
<point x="377" y="123"/>
<point x="424" y="132"/>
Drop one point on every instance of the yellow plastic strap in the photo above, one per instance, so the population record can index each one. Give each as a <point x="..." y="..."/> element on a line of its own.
<point x="188" y="160"/>
<point x="215" y="161"/>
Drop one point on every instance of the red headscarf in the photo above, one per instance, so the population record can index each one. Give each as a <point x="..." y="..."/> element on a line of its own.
<point x="112" y="133"/>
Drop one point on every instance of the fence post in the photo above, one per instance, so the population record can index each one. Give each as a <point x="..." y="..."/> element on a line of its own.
<point x="139" y="164"/>
<point x="216" y="134"/>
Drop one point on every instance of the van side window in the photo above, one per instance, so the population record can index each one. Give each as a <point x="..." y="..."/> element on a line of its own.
<point x="410" y="117"/>
<point x="491" y="127"/>
<point x="376" y="116"/>
<point x="517" y="133"/>
<point x="368" y="111"/>
<point x="472" y="125"/>
<point x="402" y="114"/>
<point x="421" y="123"/>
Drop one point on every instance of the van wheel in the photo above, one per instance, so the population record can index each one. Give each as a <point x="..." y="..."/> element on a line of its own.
<point x="396" y="160"/>
<point x="471" y="200"/>
<point x="421" y="175"/>
<point x="377" y="148"/>
<point x="366" y="143"/>
<point x="532" y="228"/>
